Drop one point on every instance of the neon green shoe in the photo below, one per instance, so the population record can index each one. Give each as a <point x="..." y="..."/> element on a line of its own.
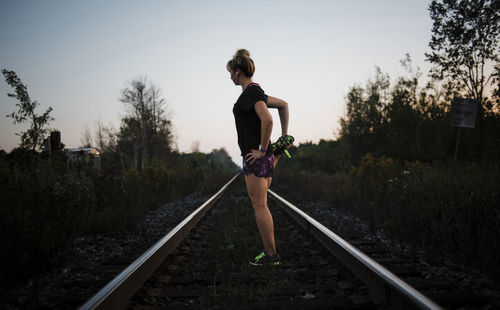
<point x="263" y="259"/>
<point x="282" y="144"/>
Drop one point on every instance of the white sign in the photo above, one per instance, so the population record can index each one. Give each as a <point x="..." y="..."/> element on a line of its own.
<point x="463" y="112"/>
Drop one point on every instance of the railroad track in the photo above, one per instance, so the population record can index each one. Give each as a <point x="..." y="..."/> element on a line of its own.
<point x="202" y="263"/>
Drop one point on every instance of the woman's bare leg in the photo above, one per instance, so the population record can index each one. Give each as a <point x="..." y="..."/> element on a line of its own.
<point x="276" y="159"/>
<point x="269" y="180"/>
<point x="257" y="190"/>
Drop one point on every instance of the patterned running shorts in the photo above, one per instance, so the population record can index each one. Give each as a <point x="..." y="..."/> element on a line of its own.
<point x="262" y="167"/>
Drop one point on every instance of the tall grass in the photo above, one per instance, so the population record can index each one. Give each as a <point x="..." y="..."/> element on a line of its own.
<point x="45" y="203"/>
<point x="449" y="210"/>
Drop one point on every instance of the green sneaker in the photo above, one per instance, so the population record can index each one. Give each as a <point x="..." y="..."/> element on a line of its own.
<point x="263" y="259"/>
<point x="282" y="144"/>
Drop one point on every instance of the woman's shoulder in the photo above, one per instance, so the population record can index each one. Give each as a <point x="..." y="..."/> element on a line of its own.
<point x="254" y="89"/>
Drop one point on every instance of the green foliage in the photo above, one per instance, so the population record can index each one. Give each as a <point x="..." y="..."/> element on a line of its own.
<point x="449" y="210"/>
<point x="371" y="167"/>
<point x="145" y="133"/>
<point x="41" y="208"/>
<point x="366" y="108"/>
<point x="326" y="156"/>
<point x="464" y="43"/>
<point x="33" y="137"/>
<point x="390" y="163"/>
<point x="495" y="103"/>
<point x="46" y="202"/>
<point x="409" y="122"/>
<point x="465" y="37"/>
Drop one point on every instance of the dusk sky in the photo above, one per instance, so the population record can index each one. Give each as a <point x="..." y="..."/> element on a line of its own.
<point x="76" y="56"/>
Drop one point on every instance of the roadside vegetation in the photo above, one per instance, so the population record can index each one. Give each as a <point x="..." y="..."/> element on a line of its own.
<point x="446" y="210"/>
<point x="48" y="199"/>
<point x="395" y="160"/>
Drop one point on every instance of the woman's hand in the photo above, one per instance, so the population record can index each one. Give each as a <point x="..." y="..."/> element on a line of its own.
<point x="254" y="155"/>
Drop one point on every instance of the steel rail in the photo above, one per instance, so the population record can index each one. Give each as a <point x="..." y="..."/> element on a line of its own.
<point x="386" y="289"/>
<point x="116" y="294"/>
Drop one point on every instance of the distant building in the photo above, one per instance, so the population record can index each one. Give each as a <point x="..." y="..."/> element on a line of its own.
<point x="52" y="143"/>
<point x="85" y="155"/>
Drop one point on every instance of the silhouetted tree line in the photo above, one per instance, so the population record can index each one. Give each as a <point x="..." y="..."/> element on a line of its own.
<point x="392" y="165"/>
<point x="403" y="121"/>
<point x="392" y="162"/>
<point x="47" y="201"/>
<point x="408" y="122"/>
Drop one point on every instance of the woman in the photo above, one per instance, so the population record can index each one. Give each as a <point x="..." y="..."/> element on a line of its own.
<point x="254" y="125"/>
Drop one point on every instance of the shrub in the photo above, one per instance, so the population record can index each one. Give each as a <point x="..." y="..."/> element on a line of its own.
<point x="45" y="202"/>
<point x="450" y="210"/>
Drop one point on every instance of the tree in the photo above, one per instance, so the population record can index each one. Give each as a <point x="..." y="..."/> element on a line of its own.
<point x="403" y="121"/>
<point x="464" y="43"/>
<point x="195" y="146"/>
<point x="365" y="114"/>
<point x="496" y="92"/>
<point x="100" y="130"/>
<point x="33" y="137"/>
<point x="86" y="138"/>
<point x="145" y="132"/>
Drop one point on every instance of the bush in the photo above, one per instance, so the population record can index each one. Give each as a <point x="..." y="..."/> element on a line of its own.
<point x="41" y="208"/>
<point x="447" y="209"/>
<point x="46" y="202"/>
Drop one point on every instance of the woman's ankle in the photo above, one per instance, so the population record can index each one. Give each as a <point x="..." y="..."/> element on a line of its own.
<point x="268" y="253"/>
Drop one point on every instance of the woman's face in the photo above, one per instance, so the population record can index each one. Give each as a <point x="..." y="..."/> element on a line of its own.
<point x="234" y="77"/>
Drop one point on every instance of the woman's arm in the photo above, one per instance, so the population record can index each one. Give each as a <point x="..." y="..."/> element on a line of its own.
<point x="266" y="121"/>
<point x="282" y="106"/>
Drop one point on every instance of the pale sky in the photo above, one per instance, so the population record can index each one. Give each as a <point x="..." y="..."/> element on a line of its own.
<point x="76" y="56"/>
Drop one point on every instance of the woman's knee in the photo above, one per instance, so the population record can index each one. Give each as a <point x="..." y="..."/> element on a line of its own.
<point x="257" y="206"/>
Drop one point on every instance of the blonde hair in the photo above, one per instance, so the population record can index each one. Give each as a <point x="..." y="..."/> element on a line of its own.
<point x="241" y="60"/>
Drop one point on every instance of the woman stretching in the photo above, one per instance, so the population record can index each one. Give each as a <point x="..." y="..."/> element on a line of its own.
<point x="254" y="125"/>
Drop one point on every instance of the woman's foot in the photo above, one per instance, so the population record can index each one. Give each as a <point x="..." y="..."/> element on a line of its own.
<point x="263" y="259"/>
<point x="282" y="144"/>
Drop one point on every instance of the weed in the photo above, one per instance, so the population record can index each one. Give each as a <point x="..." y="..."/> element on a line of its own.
<point x="449" y="210"/>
